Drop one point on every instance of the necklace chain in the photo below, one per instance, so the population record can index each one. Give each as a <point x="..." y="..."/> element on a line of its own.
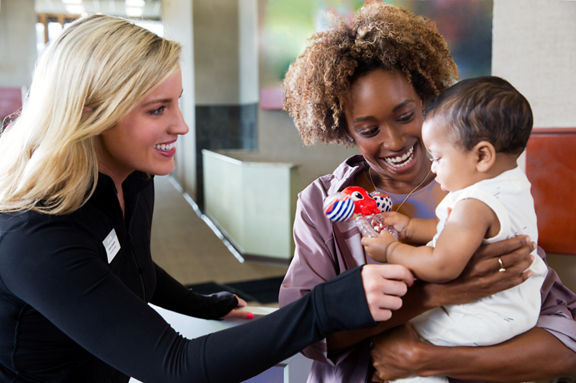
<point x="407" y="195"/>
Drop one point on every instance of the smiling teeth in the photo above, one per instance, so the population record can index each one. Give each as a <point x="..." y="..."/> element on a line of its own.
<point x="402" y="160"/>
<point x="164" y="147"/>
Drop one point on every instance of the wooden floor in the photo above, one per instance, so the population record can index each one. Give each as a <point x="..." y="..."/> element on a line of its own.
<point x="189" y="250"/>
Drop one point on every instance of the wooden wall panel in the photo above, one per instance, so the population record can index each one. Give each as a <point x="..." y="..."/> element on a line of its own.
<point x="551" y="168"/>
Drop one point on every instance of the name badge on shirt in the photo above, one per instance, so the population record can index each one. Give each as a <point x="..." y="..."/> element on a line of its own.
<point x="112" y="245"/>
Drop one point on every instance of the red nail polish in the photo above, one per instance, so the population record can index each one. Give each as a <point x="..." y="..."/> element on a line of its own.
<point x="250" y="316"/>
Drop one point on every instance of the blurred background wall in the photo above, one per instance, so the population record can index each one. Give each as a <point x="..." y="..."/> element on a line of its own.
<point x="533" y="46"/>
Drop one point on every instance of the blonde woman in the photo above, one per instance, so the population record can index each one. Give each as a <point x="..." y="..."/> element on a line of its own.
<point x="76" y="202"/>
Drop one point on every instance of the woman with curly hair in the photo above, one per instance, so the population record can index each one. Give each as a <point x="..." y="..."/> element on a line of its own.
<point x="366" y="84"/>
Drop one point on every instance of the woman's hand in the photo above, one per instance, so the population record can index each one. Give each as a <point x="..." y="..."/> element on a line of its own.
<point x="481" y="277"/>
<point x="395" y="353"/>
<point x="530" y="356"/>
<point x="238" y="313"/>
<point x="384" y="285"/>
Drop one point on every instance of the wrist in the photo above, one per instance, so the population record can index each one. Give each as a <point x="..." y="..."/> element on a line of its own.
<point x="415" y="357"/>
<point x="431" y="294"/>
<point x="407" y="232"/>
<point x="423" y="359"/>
<point x="390" y="251"/>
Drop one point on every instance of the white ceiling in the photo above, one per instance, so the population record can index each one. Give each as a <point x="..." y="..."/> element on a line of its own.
<point x="147" y="9"/>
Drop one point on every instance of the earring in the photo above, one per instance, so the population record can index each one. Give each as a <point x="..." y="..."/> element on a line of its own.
<point x="350" y="139"/>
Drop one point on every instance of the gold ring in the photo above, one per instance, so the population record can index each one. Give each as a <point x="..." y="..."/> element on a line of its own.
<point x="502" y="268"/>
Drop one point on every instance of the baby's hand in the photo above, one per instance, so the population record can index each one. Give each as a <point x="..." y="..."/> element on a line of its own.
<point x="398" y="221"/>
<point x="376" y="247"/>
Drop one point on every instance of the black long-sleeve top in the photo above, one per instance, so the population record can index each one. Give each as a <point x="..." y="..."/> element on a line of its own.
<point x="73" y="303"/>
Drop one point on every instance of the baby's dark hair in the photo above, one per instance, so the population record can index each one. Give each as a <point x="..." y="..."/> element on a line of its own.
<point x="381" y="36"/>
<point x="485" y="109"/>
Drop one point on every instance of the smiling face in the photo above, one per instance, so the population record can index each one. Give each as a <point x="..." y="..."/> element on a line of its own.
<point x="384" y="117"/>
<point x="145" y="138"/>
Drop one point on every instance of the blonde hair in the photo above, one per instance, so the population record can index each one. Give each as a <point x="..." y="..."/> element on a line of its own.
<point x="381" y="36"/>
<point x="86" y="80"/>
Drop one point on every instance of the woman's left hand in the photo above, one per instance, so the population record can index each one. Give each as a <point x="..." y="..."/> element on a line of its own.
<point x="238" y="313"/>
<point x="534" y="355"/>
<point x="395" y="353"/>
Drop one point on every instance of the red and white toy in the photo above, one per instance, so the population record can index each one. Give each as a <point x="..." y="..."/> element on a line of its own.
<point x="363" y="207"/>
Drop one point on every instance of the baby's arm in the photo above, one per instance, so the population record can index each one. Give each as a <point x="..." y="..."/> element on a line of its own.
<point x="466" y="227"/>
<point x="414" y="230"/>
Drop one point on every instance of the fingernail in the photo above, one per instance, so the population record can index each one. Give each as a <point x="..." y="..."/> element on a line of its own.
<point x="249" y="316"/>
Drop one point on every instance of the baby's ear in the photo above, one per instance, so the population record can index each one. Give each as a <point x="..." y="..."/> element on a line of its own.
<point x="485" y="156"/>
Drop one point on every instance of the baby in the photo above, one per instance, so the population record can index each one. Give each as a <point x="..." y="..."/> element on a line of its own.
<point x="474" y="132"/>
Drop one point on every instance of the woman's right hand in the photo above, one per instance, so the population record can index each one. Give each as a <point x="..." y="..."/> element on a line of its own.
<point x="481" y="277"/>
<point x="384" y="285"/>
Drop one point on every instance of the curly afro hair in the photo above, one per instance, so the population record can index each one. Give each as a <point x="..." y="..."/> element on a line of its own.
<point x="381" y="36"/>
